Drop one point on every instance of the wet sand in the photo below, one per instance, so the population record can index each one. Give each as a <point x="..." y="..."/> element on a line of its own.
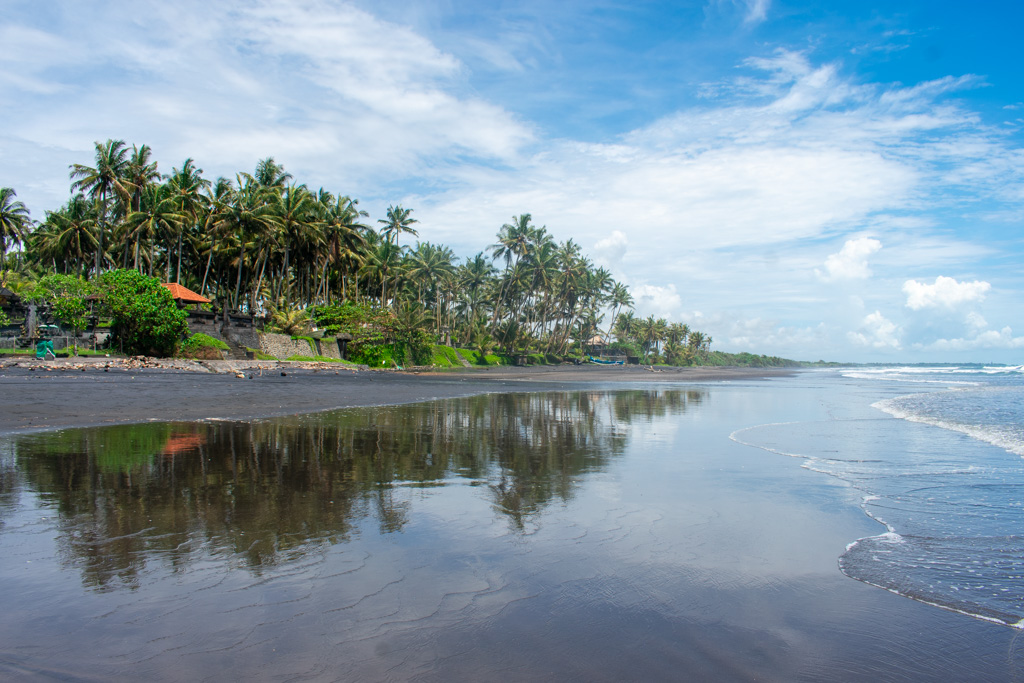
<point x="678" y="554"/>
<point x="685" y="556"/>
<point x="84" y="392"/>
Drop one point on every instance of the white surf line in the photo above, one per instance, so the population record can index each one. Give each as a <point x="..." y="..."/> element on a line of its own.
<point x="735" y="437"/>
<point x="986" y="434"/>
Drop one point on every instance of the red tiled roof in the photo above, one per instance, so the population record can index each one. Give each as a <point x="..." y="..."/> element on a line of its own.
<point x="185" y="294"/>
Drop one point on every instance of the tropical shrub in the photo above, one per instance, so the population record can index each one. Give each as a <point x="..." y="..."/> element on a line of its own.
<point x="144" y="317"/>
<point x="202" y="346"/>
<point x="65" y="297"/>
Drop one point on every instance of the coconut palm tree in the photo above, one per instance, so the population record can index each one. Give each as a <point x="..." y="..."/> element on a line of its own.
<point x="15" y="222"/>
<point x="619" y="299"/>
<point x="345" y="236"/>
<point x="251" y="217"/>
<point x="382" y="260"/>
<point x="398" y="220"/>
<point x="109" y="177"/>
<point x="68" y="236"/>
<point x="298" y="214"/>
<point x="474" y="276"/>
<point x="186" y="188"/>
<point x="157" y="215"/>
<point x="269" y="173"/>
<point x="141" y="172"/>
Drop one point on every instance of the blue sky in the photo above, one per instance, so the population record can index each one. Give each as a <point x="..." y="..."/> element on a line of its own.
<point x="837" y="180"/>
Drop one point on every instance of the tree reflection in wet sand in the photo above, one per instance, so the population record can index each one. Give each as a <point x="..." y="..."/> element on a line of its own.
<point x="268" y="492"/>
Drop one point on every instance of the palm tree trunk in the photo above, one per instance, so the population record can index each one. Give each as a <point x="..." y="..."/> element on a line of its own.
<point x="238" y="280"/>
<point x="177" y="277"/>
<point x="209" y="260"/>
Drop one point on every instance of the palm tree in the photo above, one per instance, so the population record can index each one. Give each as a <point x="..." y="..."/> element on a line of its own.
<point x="271" y="174"/>
<point x="140" y="174"/>
<point x="185" y="187"/>
<point x="626" y="326"/>
<point x="699" y="344"/>
<point x="297" y="213"/>
<point x="474" y="276"/>
<point x="513" y="242"/>
<point x="250" y="217"/>
<point x="649" y="333"/>
<point x="157" y="215"/>
<point x="68" y="235"/>
<point x="14" y="222"/>
<point x="108" y="176"/>
<point x="432" y="267"/>
<point x="216" y="202"/>
<point x="399" y="220"/>
<point x="344" y="234"/>
<point x="382" y="259"/>
<point x="620" y="298"/>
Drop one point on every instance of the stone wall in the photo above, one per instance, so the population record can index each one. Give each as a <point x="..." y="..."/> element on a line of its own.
<point x="282" y="346"/>
<point x="247" y="337"/>
<point x="328" y="347"/>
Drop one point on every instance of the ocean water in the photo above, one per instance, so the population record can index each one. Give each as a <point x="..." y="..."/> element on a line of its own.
<point x="939" y="465"/>
<point x="610" y="534"/>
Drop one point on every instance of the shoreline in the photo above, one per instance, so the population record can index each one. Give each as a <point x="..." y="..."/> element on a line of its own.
<point x="95" y="391"/>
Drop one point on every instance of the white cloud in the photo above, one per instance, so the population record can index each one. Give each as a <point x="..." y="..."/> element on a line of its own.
<point x="851" y="263"/>
<point x="661" y="302"/>
<point x="976" y="322"/>
<point x="611" y="249"/>
<point x="757" y="11"/>
<point x="989" y="339"/>
<point x="876" y="332"/>
<point x="339" y="96"/>
<point x="945" y="292"/>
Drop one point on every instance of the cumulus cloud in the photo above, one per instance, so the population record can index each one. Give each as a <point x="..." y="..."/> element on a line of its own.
<point x="656" y="300"/>
<point x="877" y="332"/>
<point x="333" y="92"/>
<point x="851" y="263"/>
<point x="989" y="339"/>
<point x="612" y="248"/>
<point x="945" y="292"/>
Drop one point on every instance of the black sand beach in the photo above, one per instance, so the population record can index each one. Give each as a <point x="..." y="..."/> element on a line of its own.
<point x="83" y="392"/>
<point x="611" y="536"/>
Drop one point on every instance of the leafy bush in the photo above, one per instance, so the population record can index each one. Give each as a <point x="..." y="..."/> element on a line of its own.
<point x="199" y="339"/>
<point x="65" y="295"/>
<point x="202" y="346"/>
<point x="444" y="357"/>
<point x="346" y="318"/>
<point x="293" y="321"/>
<point x="144" y="317"/>
<point x="624" y="349"/>
<point x="374" y="355"/>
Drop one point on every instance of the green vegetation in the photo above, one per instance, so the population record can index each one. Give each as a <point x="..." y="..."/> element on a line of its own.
<point x="200" y="340"/>
<point x="445" y="357"/>
<point x="145" y="317"/>
<point x="317" y="359"/>
<point x="204" y="346"/>
<point x="259" y="355"/>
<point x="261" y="243"/>
<point x="65" y="296"/>
<point x="750" y="360"/>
